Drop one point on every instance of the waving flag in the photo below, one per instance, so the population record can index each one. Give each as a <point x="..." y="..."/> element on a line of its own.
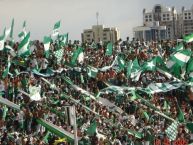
<point x="56" y="29"/>
<point x="23" y="33"/>
<point x="109" y="50"/>
<point x="23" y="48"/>
<point x="47" y="45"/>
<point x="188" y="38"/>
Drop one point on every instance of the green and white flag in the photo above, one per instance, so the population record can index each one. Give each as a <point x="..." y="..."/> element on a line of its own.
<point x="92" y="129"/>
<point x="23" y="33"/>
<point x="75" y="55"/>
<point x="121" y="63"/>
<point x="6" y="71"/>
<point x="135" y="70"/>
<point x="64" y="39"/>
<point x="23" y="48"/>
<point x="92" y="72"/>
<point x="56" y="29"/>
<point x="162" y="87"/>
<point x="46" y="42"/>
<point x="179" y="47"/>
<point x="188" y="38"/>
<point x="59" y="54"/>
<point x="11" y="32"/>
<point x="182" y="57"/>
<point x="109" y="50"/>
<point x="190" y="66"/>
<point x="172" y="131"/>
<point x="7" y="33"/>
<point x="35" y="93"/>
<point x="150" y="65"/>
<point x="2" y="41"/>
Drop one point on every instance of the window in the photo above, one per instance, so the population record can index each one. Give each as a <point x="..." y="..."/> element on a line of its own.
<point x="189" y="14"/>
<point x="164" y="15"/>
<point x="104" y="34"/>
<point x="186" y="18"/>
<point x="168" y="15"/>
<point x="150" y="19"/>
<point x="88" y="35"/>
<point x="149" y="16"/>
<point x="164" y="19"/>
<point x="146" y="20"/>
<point x="185" y="14"/>
<point x="146" y="16"/>
<point x="189" y="17"/>
<point x="168" y="19"/>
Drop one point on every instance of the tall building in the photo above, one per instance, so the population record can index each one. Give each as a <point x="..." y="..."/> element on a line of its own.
<point x="159" y="23"/>
<point x="186" y="21"/>
<point x="100" y="33"/>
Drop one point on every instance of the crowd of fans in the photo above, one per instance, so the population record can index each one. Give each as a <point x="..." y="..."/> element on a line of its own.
<point x="115" y="128"/>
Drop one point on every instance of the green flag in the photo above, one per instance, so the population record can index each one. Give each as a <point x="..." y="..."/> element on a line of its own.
<point x="92" y="129"/>
<point x="46" y="42"/>
<point x="56" y="29"/>
<point x="150" y="65"/>
<point x="75" y="55"/>
<point x="188" y="38"/>
<point x="109" y="50"/>
<point x="23" y="48"/>
<point x="92" y="72"/>
<point x="23" y="33"/>
<point x="121" y="63"/>
<point x="12" y="25"/>
<point x="181" y="57"/>
<point x="6" y="71"/>
<point x="64" y="39"/>
<point x="190" y="126"/>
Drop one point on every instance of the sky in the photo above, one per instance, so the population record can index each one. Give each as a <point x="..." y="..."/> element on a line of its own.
<point x="76" y="15"/>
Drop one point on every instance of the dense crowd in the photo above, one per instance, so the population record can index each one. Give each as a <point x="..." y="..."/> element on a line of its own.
<point x="136" y="124"/>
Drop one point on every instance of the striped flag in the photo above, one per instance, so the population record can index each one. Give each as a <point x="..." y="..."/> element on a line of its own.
<point x="23" y="48"/>
<point x="23" y="33"/>
<point x="56" y="29"/>
<point x="150" y="65"/>
<point x="188" y="38"/>
<point x="64" y="39"/>
<point x="182" y="57"/>
<point x="46" y="42"/>
<point x="75" y="55"/>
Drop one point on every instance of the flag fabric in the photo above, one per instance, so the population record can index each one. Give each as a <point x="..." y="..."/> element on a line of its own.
<point x="35" y="93"/>
<point x="23" y="48"/>
<point x="11" y="32"/>
<point x="121" y="63"/>
<point x="2" y="40"/>
<point x="23" y="33"/>
<point x="56" y="29"/>
<point x="7" y="33"/>
<point x="162" y="87"/>
<point x="59" y="54"/>
<point x="75" y="55"/>
<point x="135" y="70"/>
<point x="188" y="38"/>
<point x="149" y="65"/>
<point x="92" y="129"/>
<point x="92" y="72"/>
<point x="109" y="49"/>
<point x="80" y="58"/>
<point x="190" y="66"/>
<point x="46" y="42"/>
<point x="172" y="131"/>
<point x="181" y="57"/>
<point x="64" y="39"/>
<point x="6" y="71"/>
<point x="179" y="47"/>
<point x="189" y="126"/>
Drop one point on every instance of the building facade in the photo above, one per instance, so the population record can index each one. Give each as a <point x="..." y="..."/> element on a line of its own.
<point x="169" y="23"/>
<point x="186" y="21"/>
<point x="100" y="33"/>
